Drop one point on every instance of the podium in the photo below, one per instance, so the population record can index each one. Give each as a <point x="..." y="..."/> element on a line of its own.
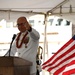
<point x="14" y="66"/>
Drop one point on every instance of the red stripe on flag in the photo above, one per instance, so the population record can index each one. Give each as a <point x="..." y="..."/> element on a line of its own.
<point x="57" y="63"/>
<point x="71" y="70"/>
<point x="70" y="41"/>
<point x="73" y="55"/>
<point x="72" y="62"/>
<point x="59" y="58"/>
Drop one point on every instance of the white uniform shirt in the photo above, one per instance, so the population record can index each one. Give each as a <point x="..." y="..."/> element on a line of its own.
<point x="30" y="52"/>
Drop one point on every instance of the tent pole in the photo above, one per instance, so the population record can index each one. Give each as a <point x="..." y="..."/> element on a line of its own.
<point x="45" y="40"/>
<point x="45" y="23"/>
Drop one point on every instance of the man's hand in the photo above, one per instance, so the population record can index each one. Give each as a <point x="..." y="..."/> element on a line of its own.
<point x="28" y="27"/>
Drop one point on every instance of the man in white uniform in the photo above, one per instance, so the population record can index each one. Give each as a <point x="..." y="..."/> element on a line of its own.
<point x="26" y="43"/>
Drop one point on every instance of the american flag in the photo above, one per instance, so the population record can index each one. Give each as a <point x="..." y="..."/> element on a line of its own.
<point x="57" y="63"/>
<point x="70" y="68"/>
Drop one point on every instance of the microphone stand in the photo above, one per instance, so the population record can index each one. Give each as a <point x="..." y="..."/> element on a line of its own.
<point x="9" y="51"/>
<point x="10" y="47"/>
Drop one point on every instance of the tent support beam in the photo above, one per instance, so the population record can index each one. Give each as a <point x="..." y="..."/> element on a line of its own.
<point x="23" y="11"/>
<point x="66" y="13"/>
<point x="58" y="6"/>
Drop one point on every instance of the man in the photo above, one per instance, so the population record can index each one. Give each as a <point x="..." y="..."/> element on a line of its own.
<point x="26" y="43"/>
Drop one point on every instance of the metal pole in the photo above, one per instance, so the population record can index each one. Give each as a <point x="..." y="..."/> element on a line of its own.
<point x="45" y="40"/>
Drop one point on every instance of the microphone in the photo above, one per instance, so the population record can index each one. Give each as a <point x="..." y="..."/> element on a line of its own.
<point x="14" y="36"/>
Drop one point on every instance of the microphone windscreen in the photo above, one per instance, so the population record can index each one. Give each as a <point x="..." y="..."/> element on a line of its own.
<point x="14" y="36"/>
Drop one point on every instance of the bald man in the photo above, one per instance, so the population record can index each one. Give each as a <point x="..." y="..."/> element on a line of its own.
<point x="26" y="43"/>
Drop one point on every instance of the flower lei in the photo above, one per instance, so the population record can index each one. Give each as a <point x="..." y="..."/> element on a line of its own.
<point x="17" y="40"/>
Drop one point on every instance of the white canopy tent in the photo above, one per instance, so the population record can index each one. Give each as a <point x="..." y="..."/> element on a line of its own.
<point x="12" y="9"/>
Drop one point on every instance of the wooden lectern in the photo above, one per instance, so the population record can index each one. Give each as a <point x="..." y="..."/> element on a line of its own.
<point x="14" y="66"/>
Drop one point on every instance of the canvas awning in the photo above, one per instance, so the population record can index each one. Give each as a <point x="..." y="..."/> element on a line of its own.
<point x="12" y="9"/>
